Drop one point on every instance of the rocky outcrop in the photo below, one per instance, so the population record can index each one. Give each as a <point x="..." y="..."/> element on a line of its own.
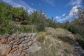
<point x="18" y="44"/>
<point x="52" y="42"/>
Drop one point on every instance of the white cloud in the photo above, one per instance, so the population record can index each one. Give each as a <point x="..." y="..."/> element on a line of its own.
<point x="57" y="17"/>
<point x="75" y="5"/>
<point x="76" y="2"/>
<point x="60" y="18"/>
<point x="63" y="15"/>
<point x="50" y="2"/>
<point x="19" y="3"/>
<point x="74" y="12"/>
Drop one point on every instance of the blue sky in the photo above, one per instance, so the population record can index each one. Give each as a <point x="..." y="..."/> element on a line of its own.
<point x="60" y="10"/>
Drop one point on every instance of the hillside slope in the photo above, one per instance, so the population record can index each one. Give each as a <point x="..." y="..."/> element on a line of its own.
<point x="52" y="42"/>
<point x="14" y="20"/>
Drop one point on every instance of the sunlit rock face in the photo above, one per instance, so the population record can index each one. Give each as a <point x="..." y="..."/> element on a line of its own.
<point x="52" y="42"/>
<point x="18" y="44"/>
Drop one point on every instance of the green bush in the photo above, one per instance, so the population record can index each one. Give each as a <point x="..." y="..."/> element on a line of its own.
<point x="72" y="29"/>
<point x="11" y="16"/>
<point x="6" y="28"/>
<point x="40" y="27"/>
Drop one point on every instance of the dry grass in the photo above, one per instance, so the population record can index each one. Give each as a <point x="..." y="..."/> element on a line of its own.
<point x="41" y="36"/>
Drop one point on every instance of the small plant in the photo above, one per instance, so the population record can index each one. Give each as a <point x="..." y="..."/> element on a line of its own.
<point x="40" y="27"/>
<point x="41" y="36"/>
<point x="71" y="29"/>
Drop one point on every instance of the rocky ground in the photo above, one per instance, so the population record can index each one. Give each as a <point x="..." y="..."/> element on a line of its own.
<point x="52" y="42"/>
